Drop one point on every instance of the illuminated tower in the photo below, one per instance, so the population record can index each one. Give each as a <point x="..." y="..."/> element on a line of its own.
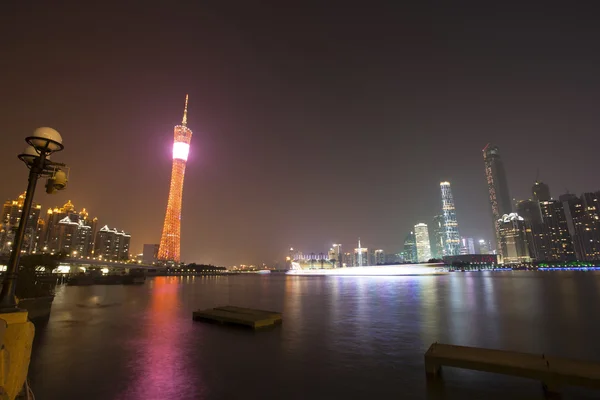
<point x="452" y="241"/>
<point x="170" y="239"/>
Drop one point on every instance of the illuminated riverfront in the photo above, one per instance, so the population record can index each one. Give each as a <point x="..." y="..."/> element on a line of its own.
<point x="373" y="270"/>
<point x="170" y="241"/>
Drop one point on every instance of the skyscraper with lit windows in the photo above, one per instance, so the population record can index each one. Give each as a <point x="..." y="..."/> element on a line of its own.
<point x="170" y="241"/>
<point x="422" y="242"/>
<point x="452" y="238"/>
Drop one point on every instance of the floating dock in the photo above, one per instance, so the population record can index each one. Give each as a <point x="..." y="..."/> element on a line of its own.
<point x="553" y="372"/>
<point x="239" y="316"/>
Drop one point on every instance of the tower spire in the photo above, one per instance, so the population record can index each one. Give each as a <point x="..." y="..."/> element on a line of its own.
<point x="184" y="121"/>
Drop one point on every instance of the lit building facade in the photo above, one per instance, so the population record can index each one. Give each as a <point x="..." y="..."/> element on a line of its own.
<point x="74" y="238"/>
<point x="361" y="256"/>
<point x="110" y="244"/>
<point x="11" y="216"/>
<point x="379" y="257"/>
<point x="66" y="230"/>
<point x="436" y="235"/>
<point x="483" y="247"/>
<point x="552" y="240"/>
<point x="584" y="217"/>
<point x="451" y="235"/>
<point x="467" y="246"/>
<point x="513" y="241"/>
<point x="422" y="242"/>
<point x="497" y="187"/>
<point x="410" y="248"/>
<point x="170" y="241"/>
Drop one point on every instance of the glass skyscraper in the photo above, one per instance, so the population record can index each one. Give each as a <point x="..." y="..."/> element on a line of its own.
<point x="452" y="238"/>
<point x="497" y="187"/>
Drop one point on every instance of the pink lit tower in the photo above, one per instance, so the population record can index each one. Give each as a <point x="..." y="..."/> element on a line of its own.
<point x="171" y="233"/>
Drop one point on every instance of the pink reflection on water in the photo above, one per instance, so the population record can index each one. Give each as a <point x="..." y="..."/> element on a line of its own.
<point x="159" y="370"/>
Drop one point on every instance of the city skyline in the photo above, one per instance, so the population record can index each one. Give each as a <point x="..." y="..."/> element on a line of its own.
<point x="282" y="121"/>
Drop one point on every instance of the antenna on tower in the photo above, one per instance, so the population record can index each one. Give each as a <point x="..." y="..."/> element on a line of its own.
<point x="184" y="121"/>
<point x="537" y="173"/>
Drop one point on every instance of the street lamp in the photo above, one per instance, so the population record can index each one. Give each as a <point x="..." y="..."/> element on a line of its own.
<point x="36" y="156"/>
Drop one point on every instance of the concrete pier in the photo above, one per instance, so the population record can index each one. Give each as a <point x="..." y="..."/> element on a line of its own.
<point x="239" y="316"/>
<point x="553" y="372"/>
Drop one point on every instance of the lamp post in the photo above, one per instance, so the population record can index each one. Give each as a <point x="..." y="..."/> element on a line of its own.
<point x="42" y="144"/>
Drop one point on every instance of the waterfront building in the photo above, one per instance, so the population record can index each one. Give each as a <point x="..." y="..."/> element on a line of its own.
<point x="361" y="256"/>
<point x="540" y="191"/>
<point x="150" y="253"/>
<point x="436" y="236"/>
<point x="584" y="217"/>
<point x="467" y="246"/>
<point x="530" y="211"/>
<point x="553" y="241"/>
<point x="110" y="244"/>
<point x="410" y="248"/>
<point x="422" y="242"/>
<point x="74" y="238"/>
<point x="451" y="236"/>
<point x="170" y="241"/>
<point x="394" y="258"/>
<point x="11" y="216"/>
<point x="379" y="257"/>
<point x="513" y="241"/>
<point x="497" y="187"/>
<point x="484" y="247"/>
<point x="472" y="260"/>
<point x="66" y="230"/>
<point x="348" y="259"/>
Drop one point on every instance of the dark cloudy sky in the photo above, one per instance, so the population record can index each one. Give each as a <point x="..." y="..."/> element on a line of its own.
<point x="314" y="122"/>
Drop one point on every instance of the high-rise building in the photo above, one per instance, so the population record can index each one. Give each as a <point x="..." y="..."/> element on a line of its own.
<point x="170" y="241"/>
<point x="484" y="247"/>
<point x="554" y="242"/>
<point x="540" y="191"/>
<point x="111" y="244"/>
<point x="361" y="256"/>
<point x="452" y="238"/>
<point x="379" y="257"/>
<point x="11" y="216"/>
<point x="497" y="187"/>
<point x="410" y="248"/>
<point x="437" y="234"/>
<point x="584" y="213"/>
<point x="66" y="230"/>
<point x="513" y="241"/>
<point x="150" y="253"/>
<point x="467" y="245"/>
<point x="348" y="259"/>
<point x="422" y="242"/>
<point x="531" y="213"/>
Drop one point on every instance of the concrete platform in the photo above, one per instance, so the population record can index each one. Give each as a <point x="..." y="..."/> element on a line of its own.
<point x="553" y="372"/>
<point x="248" y="317"/>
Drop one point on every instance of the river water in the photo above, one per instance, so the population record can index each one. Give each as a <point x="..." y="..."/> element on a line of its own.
<point x="342" y="337"/>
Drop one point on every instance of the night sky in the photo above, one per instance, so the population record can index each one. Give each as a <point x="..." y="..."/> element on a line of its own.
<point x="313" y="124"/>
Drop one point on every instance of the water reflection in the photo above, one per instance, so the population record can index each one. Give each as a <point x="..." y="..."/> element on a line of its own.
<point x="342" y="337"/>
<point x="158" y="368"/>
